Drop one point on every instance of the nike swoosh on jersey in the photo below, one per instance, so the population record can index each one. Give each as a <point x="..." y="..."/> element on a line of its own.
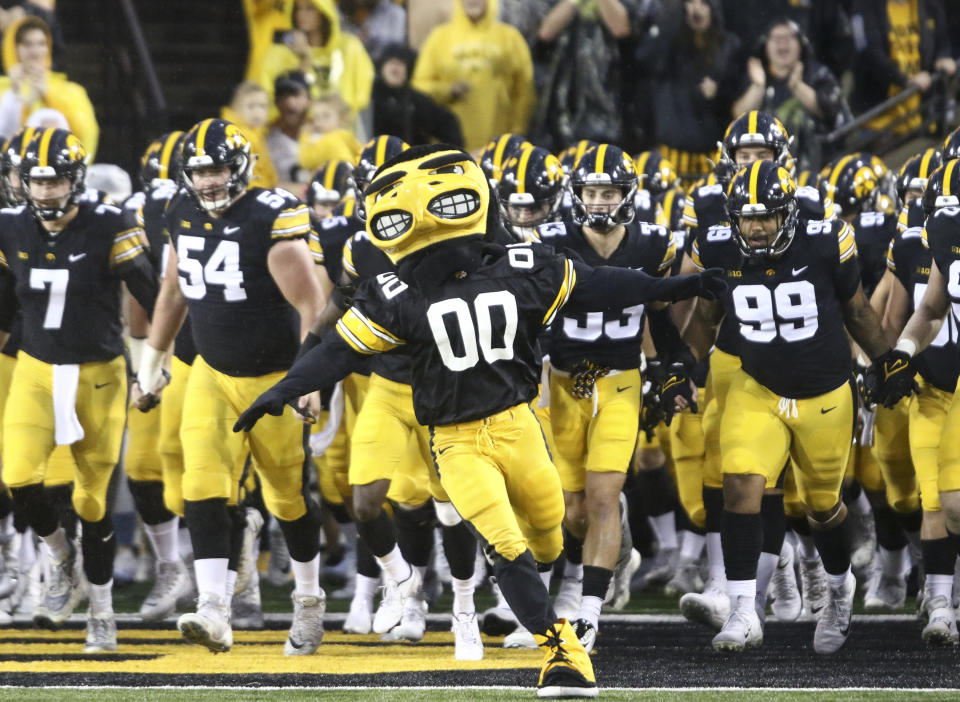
<point x="798" y="271"/>
<point x="230" y="230"/>
<point x="76" y="257"/>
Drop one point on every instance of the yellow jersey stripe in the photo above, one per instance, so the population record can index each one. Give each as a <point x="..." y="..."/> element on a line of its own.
<point x="668" y="256"/>
<point x="3" y="260"/>
<point x="202" y="136"/>
<point x="45" y="147"/>
<point x="347" y="258"/>
<point x="695" y="257"/>
<point x="847" y="243"/>
<point x="891" y="264"/>
<point x="948" y="176"/>
<point x="363" y="336"/>
<point x="378" y="330"/>
<point x="522" y="169"/>
<point x="923" y="238"/>
<point x="353" y="341"/>
<point x="291" y="222"/>
<point x="563" y="295"/>
<point x="601" y="153"/>
<point x="903" y="218"/>
<point x="316" y="249"/>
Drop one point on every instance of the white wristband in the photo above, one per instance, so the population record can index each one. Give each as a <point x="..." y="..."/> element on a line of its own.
<point x="151" y="361"/>
<point x="136" y="347"/>
<point x="908" y="346"/>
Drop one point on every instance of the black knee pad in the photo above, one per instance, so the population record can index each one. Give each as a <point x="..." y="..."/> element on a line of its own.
<point x="6" y="505"/>
<point x="302" y="536"/>
<point x="379" y="534"/>
<point x="99" y="545"/>
<point x="460" y="548"/>
<point x="60" y="499"/>
<point x="31" y="505"/>
<point x="415" y="532"/>
<point x="211" y="528"/>
<point x="339" y="511"/>
<point x="774" y="523"/>
<point x="148" y="498"/>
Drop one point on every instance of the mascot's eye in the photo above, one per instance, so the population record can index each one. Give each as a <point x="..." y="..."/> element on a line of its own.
<point x="455" y="169"/>
<point x="384" y="192"/>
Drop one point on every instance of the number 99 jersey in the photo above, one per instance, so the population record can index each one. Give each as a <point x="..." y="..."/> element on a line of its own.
<point x="472" y="341"/>
<point x="242" y="324"/>
<point x="788" y="309"/>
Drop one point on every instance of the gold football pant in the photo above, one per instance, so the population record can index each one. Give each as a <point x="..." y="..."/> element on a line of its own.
<point x="335" y="462"/>
<point x="388" y="443"/>
<point x="595" y="434"/>
<point x="499" y="477"/>
<point x="723" y="367"/>
<point x="928" y="416"/>
<point x="687" y="451"/>
<point x="214" y="456"/>
<point x="761" y="430"/>
<point x="948" y="457"/>
<point x="171" y="449"/>
<point x="891" y="448"/>
<point x="142" y="459"/>
<point x="28" y="428"/>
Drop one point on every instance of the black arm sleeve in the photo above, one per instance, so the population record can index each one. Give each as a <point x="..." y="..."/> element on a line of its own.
<point x="141" y="280"/>
<point x="666" y="337"/>
<point x="8" y="300"/>
<point x="611" y="288"/>
<point x="323" y="365"/>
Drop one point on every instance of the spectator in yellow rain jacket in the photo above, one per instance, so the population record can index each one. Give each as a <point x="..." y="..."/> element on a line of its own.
<point x="332" y="61"/>
<point x="481" y="69"/>
<point x="248" y="110"/>
<point x="29" y="85"/>
<point x="265" y="19"/>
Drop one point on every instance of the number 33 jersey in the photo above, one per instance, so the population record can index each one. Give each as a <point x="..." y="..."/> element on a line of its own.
<point x="472" y="341"/>
<point x="242" y="324"/>
<point x="68" y="285"/>
<point x="789" y="309"/>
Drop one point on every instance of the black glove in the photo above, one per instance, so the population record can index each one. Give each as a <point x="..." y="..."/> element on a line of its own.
<point x="651" y="411"/>
<point x="271" y="402"/>
<point x="710" y="285"/>
<point x="890" y="378"/>
<point x="677" y="384"/>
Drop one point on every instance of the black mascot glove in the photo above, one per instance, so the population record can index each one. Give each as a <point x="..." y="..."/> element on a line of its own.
<point x="271" y="402"/>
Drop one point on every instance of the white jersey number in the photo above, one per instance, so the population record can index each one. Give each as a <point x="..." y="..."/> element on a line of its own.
<point x="790" y="311"/>
<point x="54" y="279"/>
<point x="222" y="269"/>
<point x="474" y="329"/>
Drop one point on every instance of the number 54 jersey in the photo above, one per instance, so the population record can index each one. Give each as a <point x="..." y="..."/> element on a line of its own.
<point x="242" y="324"/>
<point x="788" y="310"/>
<point x="472" y="340"/>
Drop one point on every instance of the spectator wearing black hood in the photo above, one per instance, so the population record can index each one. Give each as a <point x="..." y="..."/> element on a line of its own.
<point x="695" y="82"/>
<point x="400" y="110"/>
<point x="784" y="79"/>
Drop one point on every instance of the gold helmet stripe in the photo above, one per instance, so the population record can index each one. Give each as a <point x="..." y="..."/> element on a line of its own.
<point x="202" y="136"/>
<point x="601" y="154"/>
<point x="381" y="156"/>
<point x="522" y="169"/>
<point x="754" y="176"/>
<point x="642" y="162"/>
<point x="947" y="176"/>
<point x="329" y="176"/>
<point x="582" y="147"/>
<point x="925" y="163"/>
<point x="752" y="122"/>
<point x="45" y="146"/>
<point x="28" y="135"/>
<point x="837" y="170"/>
<point x="500" y="148"/>
<point x="166" y="152"/>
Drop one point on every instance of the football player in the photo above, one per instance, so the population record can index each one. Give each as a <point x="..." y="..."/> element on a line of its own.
<point x="497" y="152"/>
<point x="469" y="313"/>
<point x="795" y="287"/>
<point x="938" y="367"/>
<point x="64" y="261"/>
<point x="240" y="261"/>
<point x="530" y="190"/>
<point x="328" y="187"/>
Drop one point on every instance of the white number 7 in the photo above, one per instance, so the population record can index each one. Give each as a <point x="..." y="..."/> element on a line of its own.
<point x="56" y="279"/>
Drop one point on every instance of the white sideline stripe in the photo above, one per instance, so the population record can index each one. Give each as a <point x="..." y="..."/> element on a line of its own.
<point x="519" y="688"/>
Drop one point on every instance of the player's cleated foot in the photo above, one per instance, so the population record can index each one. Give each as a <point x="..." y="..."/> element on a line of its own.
<point x="941" y="628"/>
<point x="885" y="593"/>
<point x="306" y="632"/>
<point x="786" y="603"/>
<point x="569" y="598"/>
<point x="741" y="630"/>
<point x="521" y="638"/>
<point x="395" y="596"/>
<point x="360" y="617"/>
<point x="813" y="587"/>
<point x="567" y="670"/>
<point x="622" y="575"/>
<point x="586" y="633"/>
<point x="61" y="594"/>
<point x="172" y="582"/>
<point x="209" y="626"/>
<point x="710" y="607"/>
<point x="685" y="579"/>
<point x="413" y="622"/>
<point x="467" y="644"/>
<point x="834" y="625"/>
<point x="246" y="609"/>
<point x="662" y="568"/>
<point x="101" y="633"/>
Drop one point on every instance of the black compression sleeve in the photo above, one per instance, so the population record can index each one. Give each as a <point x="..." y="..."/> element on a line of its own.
<point x="8" y="300"/>
<point x="610" y="288"/>
<point x="141" y="280"/>
<point x="666" y="337"/>
<point x="326" y="363"/>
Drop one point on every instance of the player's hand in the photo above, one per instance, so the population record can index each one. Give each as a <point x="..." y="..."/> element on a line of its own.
<point x="678" y="392"/>
<point x="146" y="401"/>
<point x="890" y="378"/>
<point x="651" y="412"/>
<point x="271" y="402"/>
<point x="712" y="284"/>
<point x="307" y="407"/>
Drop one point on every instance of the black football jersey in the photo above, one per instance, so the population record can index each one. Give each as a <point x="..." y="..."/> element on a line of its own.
<point x="68" y="285"/>
<point x="941" y="236"/>
<point x="874" y="231"/>
<point x="787" y="311"/>
<point x="333" y="232"/>
<point x="242" y="324"/>
<point x="472" y="340"/>
<point x="910" y="261"/>
<point x="610" y="339"/>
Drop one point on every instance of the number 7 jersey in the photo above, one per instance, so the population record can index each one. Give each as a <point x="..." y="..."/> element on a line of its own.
<point x="473" y="340"/>
<point x="242" y="324"/>
<point x="789" y="310"/>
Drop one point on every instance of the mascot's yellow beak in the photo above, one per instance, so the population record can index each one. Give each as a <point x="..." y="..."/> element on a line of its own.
<point x="414" y="204"/>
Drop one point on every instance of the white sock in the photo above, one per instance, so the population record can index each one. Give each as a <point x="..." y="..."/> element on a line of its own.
<point x="718" y="573"/>
<point x="28" y="551"/>
<point x="6" y="525"/>
<point x="306" y="576"/>
<point x="58" y="544"/>
<point x="395" y="566"/>
<point x="545" y="576"/>
<point x="742" y="588"/>
<point x="863" y="503"/>
<point x="939" y="585"/>
<point x="838" y="581"/>
<point x="164" y="538"/>
<point x="691" y="546"/>
<point x="364" y="589"/>
<point x="808" y="547"/>
<point x="101" y="598"/>
<point x="590" y="609"/>
<point x="665" y="528"/>
<point x="572" y="570"/>
<point x="765" y="567"/>
<point x="184" y="543"/>
<point x="893" y="562"/>
<point x="212" y="576"/>
<point x="230" y="584"/>
<point x="462" y="596"/>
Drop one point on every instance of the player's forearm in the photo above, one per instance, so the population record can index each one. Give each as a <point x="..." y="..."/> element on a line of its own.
<point x="168" y="316"/>
<point x="865" y="328"/>
<point x="666" y="336"/>
<point x="701" y="333"/>
<point x="922" y="328"/>
<point x="327" y="362"/>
